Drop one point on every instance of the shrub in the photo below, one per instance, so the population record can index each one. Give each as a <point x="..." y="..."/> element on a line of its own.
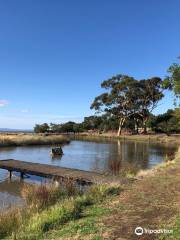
<point x="48" y="207"/>
<point x="10" y="220"/>
<point x="42" y="196"/>
<point x="51" y="218"/>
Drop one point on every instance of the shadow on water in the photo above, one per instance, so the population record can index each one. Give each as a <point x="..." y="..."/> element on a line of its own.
<point x="56" y="157"/>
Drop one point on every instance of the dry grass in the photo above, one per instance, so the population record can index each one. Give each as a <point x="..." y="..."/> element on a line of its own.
<point x="11" y="220"/>
<point x="31" y="139"/>
<point x="42" y="196"/>
<point x="162" y="138"/>
<point x="152" y="203"/>
<point x="48" y="208"/>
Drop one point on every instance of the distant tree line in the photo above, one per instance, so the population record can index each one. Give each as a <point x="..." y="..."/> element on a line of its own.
<point x="127" y="103"/>
<point x="168" y="122"/>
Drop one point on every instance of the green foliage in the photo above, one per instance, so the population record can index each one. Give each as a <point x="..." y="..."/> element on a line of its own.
<point x="176" y="229"/>
<point x="92" y="122"/>
<point x="41" y="128"/>
<point x="68" y="127"/>
<point x="51" y="218"/>
<point x="41" y="196"/>
<point x="172" y="81"/>
<point x="127" y="98"/>
<point x="83" y="226"/>
<point x="168" y="122"/>
<point x="49" y="208"/>
<point x="127" y="103"/>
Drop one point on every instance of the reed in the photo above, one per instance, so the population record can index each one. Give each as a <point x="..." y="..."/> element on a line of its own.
<point x="31" y="139"/>
<point x="39" y="197"/>
<point x="10" y="220"/>
<point x="48" y="207"/>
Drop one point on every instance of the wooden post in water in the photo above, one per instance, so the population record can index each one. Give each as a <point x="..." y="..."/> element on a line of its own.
<point x="10" y="174"/>
<point x="22" y="175"/>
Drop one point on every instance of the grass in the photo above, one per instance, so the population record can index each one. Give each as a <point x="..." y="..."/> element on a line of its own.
<point x="85" y="226"/>
<point x="162" y="138"/>
<point x="152" y="202"/>
<point x="42" y="196"/>
<point x="10" y="220"/>
<point x="176" y="229"/>
<point x="49" y="208"/>
<point x="52" y="217"/>
<point x="31" y="139"/>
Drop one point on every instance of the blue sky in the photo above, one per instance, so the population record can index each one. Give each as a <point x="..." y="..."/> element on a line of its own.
<point x="54" y="54"/>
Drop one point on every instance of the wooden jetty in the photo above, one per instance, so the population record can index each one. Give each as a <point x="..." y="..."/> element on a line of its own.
<point x="56" y="173"/>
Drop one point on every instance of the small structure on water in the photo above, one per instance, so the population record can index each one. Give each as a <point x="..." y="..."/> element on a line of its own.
<point x="56" y="151"/>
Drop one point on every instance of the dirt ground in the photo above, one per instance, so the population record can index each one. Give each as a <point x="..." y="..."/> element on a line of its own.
<point x="151" y="202"/>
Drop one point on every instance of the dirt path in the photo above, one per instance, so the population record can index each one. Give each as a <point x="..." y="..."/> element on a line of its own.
<point x="150" y="203"/>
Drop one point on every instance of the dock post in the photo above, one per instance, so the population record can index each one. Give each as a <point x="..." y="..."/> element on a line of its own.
<point x="22" y="175"/>
<point x="10" y="174"/>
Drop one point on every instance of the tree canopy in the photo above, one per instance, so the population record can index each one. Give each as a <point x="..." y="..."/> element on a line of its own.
<point x="126" y="97"/>
<point x="127" y="102"/>
<point x="172" y="81"/>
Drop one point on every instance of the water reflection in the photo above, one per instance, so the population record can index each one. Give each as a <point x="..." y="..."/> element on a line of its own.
<point x="101" y="156"/>
<point x="10" y="193"/>
<point x="56" y="157"/>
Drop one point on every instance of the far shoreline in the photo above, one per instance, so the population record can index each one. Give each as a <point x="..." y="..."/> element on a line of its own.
<point x="160" y="138"/>
<point x="30" y="138"/>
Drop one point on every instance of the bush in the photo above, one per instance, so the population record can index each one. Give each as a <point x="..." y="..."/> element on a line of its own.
<point x="42" y="196"/>
<point x="52" y="218"/>
<point x="97" y="193"/>
<point x="48" y="207"/>
<point x="10" y="220"/>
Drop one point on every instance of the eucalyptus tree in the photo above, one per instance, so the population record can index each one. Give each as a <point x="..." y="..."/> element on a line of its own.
<point x="55" y="128"/>
<point x="119" y="99"/>
<point x="126" y="98"/>
<point x="150" y="91"/>
<point x="92" y="122"/>
<point x="41" y="128"/>
<point x="172" y="81"/>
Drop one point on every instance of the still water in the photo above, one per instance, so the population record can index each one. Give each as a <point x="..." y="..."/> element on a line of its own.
<point x="100" y="156"/>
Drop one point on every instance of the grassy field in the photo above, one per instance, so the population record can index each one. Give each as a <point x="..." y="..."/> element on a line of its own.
<point x="31" y="139"/>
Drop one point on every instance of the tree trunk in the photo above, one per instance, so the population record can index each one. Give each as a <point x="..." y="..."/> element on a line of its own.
<point x="121" y="122"/>
<point x="144" y="126"/>
<point x="136" y="127"/>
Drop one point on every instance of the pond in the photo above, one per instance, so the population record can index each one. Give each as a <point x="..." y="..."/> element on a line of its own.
<point x="99" y="156"/>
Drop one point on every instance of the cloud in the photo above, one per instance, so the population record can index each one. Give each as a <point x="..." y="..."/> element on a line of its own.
<point x="3" y="102"/>
<point x="25" y="110"/>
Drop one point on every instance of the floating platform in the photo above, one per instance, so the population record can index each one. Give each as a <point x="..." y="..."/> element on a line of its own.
<point x="57" y="173"/>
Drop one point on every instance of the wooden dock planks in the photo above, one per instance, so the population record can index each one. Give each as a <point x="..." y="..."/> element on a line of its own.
<point x="56" y="172"/>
